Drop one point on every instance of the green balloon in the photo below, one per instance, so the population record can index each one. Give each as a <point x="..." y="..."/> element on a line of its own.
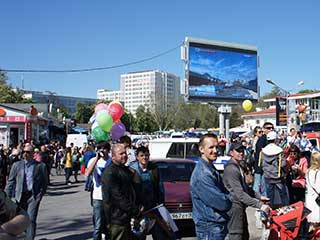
<point x="81" y="160"/>
<point x="105" y="121"/>
<point x="99" y="134"/>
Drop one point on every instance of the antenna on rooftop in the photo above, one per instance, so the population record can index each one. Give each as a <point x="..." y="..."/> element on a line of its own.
<point x="22" y="82"/>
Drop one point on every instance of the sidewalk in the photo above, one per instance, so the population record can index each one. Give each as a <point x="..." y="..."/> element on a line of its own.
<point x="65" y="212"/>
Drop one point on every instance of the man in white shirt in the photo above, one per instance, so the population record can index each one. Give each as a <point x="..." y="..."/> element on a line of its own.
<point x="96" y="166"/>
<point x="126" y="141"/>
<point x="293" y="138"/>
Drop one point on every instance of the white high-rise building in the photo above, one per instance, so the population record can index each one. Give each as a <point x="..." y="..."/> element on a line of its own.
<point x="105" y="94"/>
<point x="152" y="89"/>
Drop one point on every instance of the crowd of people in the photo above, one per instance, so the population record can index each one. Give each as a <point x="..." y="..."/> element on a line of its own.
<point x="119" y="196"/>
<point x="265" y="171"/>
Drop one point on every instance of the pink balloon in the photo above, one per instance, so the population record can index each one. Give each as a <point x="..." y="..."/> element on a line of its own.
<point x="100" y="106"/>
<point x="117" y="131"/>
<point x="116" y="111"/>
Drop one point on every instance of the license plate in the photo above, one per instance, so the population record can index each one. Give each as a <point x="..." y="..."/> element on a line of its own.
<point x="187" y="215"/>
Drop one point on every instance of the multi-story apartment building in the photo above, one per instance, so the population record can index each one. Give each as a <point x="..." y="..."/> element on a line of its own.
<point x="153" y="89"/>
<point x="105" y="94"/>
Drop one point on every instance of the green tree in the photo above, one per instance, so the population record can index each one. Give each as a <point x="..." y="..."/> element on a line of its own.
<point x="151" y="125"/>
<point x="235" y="116"/>
<point x="128" y="120"/>
<point x="3" y="77"/>
<point x="64" y="111"/>
<point x="275" y="91"/>
<point x="162" y="113"/>
<point x="141" y="120"/>
<point x="9" y="95"/>
<point x="196" y="115"/>
<point x="83" y="112"/>
<point x="307" y="91"/>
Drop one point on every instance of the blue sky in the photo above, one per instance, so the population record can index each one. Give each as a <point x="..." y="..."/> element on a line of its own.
<point x="76" y="34"/>
<point x="225" y="65"/>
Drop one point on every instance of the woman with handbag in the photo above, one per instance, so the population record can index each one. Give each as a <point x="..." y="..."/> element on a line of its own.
<point x="313" y="190"/>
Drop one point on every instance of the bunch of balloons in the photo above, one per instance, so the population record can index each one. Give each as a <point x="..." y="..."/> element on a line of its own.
<point x="106" y="122"/>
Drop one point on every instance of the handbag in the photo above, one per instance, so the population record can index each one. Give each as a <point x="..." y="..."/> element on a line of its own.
<point x="318" y="195"/>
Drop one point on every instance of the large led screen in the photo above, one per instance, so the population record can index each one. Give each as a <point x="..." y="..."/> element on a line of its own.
<point x="219" y="72"/>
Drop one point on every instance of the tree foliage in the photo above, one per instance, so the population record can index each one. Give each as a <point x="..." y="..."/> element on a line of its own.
<point x="9" y="95"/>
<point x="128" y="120"/>
<point x="3" y="77"/>
<point x="235" y="116"/>
<point x="195" y="115"/>
<point x="64" y="111"/>
<point x="144" y="121"/>
<point x="83" y="112"/>
<point x="307" y="91"/>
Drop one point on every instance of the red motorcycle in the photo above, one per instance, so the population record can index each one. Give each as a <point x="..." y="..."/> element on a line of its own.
<point x="286" y="223"/>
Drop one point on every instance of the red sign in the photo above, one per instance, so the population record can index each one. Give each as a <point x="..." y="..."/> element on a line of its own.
<point x="2" y="112"/>
<point x="28" y="131"/>
<point x="13" y="119"/>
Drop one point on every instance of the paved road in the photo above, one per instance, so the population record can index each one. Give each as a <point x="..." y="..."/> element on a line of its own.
<point x="65" y="213"/>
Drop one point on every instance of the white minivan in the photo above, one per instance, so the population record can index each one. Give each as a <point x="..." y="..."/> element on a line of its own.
<point x="77" y="140"/>
<point x="182" y="148"/>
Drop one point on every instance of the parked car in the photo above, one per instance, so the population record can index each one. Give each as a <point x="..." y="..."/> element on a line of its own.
<point x="181" y="148"/>
<point x="175" y="177"/>
<point x="314" y="138"/>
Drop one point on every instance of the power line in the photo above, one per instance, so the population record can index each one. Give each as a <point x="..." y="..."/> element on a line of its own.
<point x="91" y="69"/>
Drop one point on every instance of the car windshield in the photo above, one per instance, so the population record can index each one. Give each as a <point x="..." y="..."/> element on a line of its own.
<point x="175" y="171"/>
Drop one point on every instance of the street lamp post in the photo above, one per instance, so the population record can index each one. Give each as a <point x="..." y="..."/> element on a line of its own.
<point x="287" y="94"/>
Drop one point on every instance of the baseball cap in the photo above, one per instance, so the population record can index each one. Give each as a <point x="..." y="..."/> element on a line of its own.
<point x="271" y="136"/>
<point x="236" y="146"/>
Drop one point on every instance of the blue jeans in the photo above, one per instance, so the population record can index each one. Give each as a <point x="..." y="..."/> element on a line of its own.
<point x="208" y="231"/>
<point x="259" y="184"/>
<point x="98" y="219"/>
<point x="68" y="172"/>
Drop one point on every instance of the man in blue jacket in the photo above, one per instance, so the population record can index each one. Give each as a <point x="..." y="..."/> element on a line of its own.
<point x="210" y="199"/>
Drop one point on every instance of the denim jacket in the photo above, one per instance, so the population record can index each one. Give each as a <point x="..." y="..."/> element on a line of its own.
<point x="210" y="199"/>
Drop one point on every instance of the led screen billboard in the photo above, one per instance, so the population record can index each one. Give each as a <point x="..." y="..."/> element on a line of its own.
<point x="222" y="71"/>
<point x="281" y="111"/>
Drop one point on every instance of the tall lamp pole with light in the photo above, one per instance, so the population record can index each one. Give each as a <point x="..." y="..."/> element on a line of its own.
<point x="287" y="94"/>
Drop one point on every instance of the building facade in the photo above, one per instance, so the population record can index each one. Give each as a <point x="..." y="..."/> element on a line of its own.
<point x="55" y="101"/>
<point x="105" y="94"/>
<point x="303" y="108"/>
<point x="18" y="126"/>
<point x="156" y="90"/>
<point x="253" y="119"/>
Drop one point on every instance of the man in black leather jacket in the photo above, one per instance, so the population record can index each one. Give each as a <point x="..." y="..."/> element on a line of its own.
<point x="121" y="194"/>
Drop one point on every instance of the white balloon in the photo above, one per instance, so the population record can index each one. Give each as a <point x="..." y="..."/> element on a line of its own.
<point x="94" y="125"/>
<point x="92" y="119"/>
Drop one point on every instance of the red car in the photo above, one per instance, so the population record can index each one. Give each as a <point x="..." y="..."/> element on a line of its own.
<point x="175" y="177"/>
